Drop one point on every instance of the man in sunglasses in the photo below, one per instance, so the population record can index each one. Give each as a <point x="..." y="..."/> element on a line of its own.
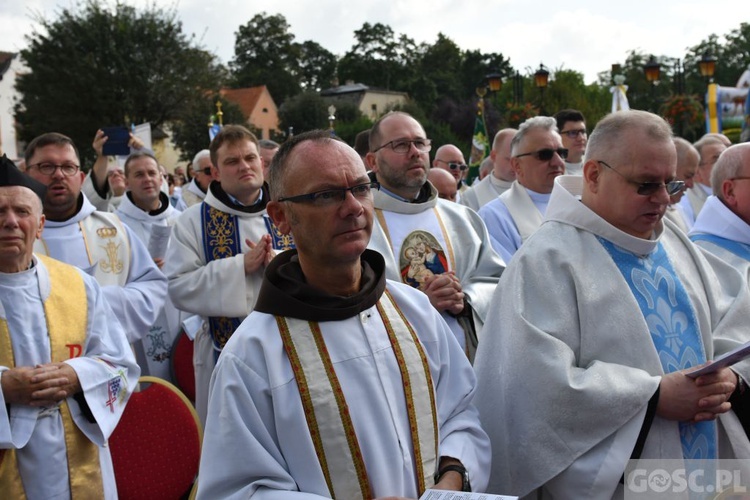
<point x="595" y="324"/>
<point x="391" y="414"/>
<point x="501" y="176"/>
<point x="413" y="224"/>
<point x="449" y="158"/>
<point x="219" y="249"/>
<point x="537" y="157"/>
<point x="572" y="127"/>
<point x="203" y="173"/>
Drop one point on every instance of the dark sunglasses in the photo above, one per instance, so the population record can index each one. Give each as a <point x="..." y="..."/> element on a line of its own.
<point x="546" y="154"/>
<point x="650" y="188"/>
<point x="455" y="165"/>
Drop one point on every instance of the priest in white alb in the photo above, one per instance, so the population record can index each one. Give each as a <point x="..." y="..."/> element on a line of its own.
<point x="66" y="369"/>
<point x="219" y="249"/>
<point x="96" y="242"/>
<point x="537" y="157"/>
<point x="582" y="365"/>
<point x="436" y="246"/>
<point x="146" y="210"/>
<point x="341" y="384"/>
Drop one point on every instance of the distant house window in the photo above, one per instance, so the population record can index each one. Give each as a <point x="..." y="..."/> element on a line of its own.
<point x="265" y="110"/>
<point x="374" y="107"/>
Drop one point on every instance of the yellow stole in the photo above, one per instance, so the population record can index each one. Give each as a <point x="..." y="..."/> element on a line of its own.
<point x="66" y="312"/>
<point x="327" y="412"/>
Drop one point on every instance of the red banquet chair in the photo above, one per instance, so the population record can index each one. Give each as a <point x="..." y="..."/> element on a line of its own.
<point x="156" y="445"/>
<point x="181" y="365"/>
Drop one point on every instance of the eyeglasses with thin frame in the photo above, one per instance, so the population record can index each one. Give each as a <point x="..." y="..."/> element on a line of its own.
<point x="546" y="154"/>
<point x="739" y="178"/>
<point x="47" y="168"/>
<point x="453" y="165"/>
<point x="572" y="134"/>
<point x="329" y="197"/>
<point x="649" y="188"/>
<point x="403" y="146"/>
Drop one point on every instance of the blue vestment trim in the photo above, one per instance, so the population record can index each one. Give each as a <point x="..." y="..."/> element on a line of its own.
<point x="737" y="248"/>
<point x="673" y="327"/>
<point x="221" y="239"/>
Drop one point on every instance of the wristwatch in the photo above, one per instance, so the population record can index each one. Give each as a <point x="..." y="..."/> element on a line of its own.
<point x="465" y="484"/>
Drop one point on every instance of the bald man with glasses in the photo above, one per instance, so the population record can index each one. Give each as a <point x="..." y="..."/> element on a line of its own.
<point x="449" y="158"/>
<point x="596" y="324"/>
<point x="537" y="157"/>
<point x="413" y="223"/>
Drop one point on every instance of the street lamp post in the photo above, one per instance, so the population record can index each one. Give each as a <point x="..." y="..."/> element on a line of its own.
<point x="517" y="88"/>
<point x="541" y="78"/>
<point x="652" y="69"/>
<point x="707" y="66"/>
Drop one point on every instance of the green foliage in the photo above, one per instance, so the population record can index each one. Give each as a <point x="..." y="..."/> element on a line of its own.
<point x="190" y="134"/>
<point x="303" y="112"/>
<point x="265" y="54"/>
<point x="100" y="64"/>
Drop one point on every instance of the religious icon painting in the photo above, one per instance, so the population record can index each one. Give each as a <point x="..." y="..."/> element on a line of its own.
<point x="421" y="257"/>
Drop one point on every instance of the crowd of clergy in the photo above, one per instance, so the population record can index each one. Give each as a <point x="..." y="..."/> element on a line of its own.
<point x="366" y="324"/>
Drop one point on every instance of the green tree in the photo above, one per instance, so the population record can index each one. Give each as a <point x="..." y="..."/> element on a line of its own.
<point x="317" y="66"/>
<point x="567" y="90"/>
<point x="109" y="64"/>
<point x="379" y="58"/>
<point x="190" y="134"/>
<point x="265" y="54"/>
<point x="303" y="112"/>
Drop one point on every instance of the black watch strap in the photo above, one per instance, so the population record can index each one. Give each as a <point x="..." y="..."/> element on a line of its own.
<point x="465" y="484"/>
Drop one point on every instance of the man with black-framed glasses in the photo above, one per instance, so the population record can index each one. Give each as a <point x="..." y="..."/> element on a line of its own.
<point x="596" y="325"/>
<point x="413" y="224"/>
<point x="537" y="157"/>
<point x="572" y="127"/>
<point x="97" y="242"/>
<point x="341" y="383"/>
<point x="449" y="158"/>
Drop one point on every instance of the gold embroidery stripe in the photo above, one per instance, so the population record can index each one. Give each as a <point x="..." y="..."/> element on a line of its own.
<point x="10" y="480"/>
<point x="448" y="245"/>
<point x="66" y="311"/>
<point x="346" y="418"/>
<point x="384" y="225"/>
<point x="85" y="242"/>
<point x="423" y="476"/>
<point x="304" y="392"/>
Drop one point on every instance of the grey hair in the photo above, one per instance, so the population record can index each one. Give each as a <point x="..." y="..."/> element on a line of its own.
<point x="203" y="153"/>
<point x="728" y="166"/>
<point x="537" y="122"/>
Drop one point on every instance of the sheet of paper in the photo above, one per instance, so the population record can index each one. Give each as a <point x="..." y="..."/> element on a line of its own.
<point x="461" y="495"/>
<point x="157" y="245"/>
<point x="728" y="359"/>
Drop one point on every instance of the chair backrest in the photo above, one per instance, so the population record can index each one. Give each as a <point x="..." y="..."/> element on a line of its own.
<point x="181" y="364"/>
<point x="156" y="445"/>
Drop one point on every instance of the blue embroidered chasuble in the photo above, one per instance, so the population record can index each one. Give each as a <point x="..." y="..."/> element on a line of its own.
<point x="737" y="248"/>
<point x="673" y="327"/>
<point x="221" y="239"/>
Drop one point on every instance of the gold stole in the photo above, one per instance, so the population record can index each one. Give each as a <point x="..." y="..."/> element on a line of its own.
<point x="106" y="244"/>
<point x="66" y="312"/>
<point x="327" y="412"/>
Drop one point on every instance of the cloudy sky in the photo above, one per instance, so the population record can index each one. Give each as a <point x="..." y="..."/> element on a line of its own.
<point x="587" y="36"/>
